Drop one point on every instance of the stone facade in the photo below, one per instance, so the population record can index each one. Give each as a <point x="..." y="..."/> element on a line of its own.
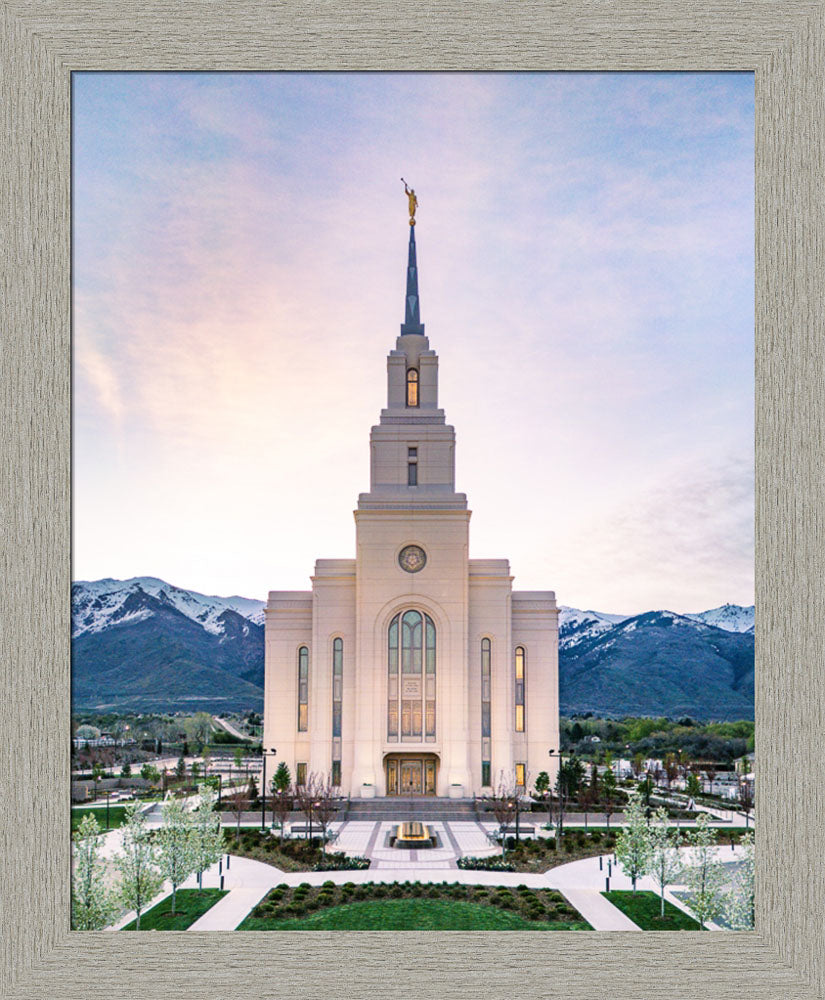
<point x="413" y="669"/>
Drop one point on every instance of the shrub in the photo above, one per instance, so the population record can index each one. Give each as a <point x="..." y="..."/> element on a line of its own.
<point x="360" y="892"/>
<point x="397" y="891"/>
<point x="434" y="892"/>
<point x="596" y="836"/>
<point x="379" y="891"/>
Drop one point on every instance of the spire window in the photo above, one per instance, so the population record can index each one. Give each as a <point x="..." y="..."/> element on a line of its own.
<point x="412" y="387"/>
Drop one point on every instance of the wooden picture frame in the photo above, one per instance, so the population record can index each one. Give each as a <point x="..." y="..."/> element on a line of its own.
<point x="784" y="45"/>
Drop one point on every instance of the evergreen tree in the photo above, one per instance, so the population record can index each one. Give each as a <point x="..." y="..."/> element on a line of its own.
<point x="137" y="863"/>
<point x="207" y="835"/>
<point x="252" y="789"/>
<point x="665" y="865"/>
<point x="705" y="875"/>
<point x="93" y="905"/>
<point x="633" y="845"/>
<point x="175" y="844"/>
<point x="180" y="770"/>
<point x="281" y="796"/>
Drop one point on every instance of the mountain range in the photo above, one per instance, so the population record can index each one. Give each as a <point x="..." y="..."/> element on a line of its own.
<point x="145" y="645"/>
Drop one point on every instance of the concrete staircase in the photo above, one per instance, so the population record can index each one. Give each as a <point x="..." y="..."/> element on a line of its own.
<point x="400" y="809"/>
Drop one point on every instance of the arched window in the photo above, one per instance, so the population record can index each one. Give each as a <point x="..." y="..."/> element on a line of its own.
<point x="520" y="680"/>
<point x="412" y="387"/>
<point x="485" y="712"/>
<point x="303" y="689"/>
<point x="411" y="678"/>
<point x="337" y="700"/>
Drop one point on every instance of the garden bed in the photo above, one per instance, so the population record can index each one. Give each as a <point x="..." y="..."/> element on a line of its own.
<point x="412" y="906"/>
<point x="292" y="855"/>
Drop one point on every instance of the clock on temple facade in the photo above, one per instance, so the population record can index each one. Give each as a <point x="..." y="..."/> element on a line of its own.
<point x="412" y="669"/>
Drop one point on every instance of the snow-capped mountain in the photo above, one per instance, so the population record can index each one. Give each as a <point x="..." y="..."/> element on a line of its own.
<point x="101" y="604"/>
<point x="730" y="617"/>
<point x="575" y="625"/>
<point x="147" y="645"/>
<point x="659" y="663"/>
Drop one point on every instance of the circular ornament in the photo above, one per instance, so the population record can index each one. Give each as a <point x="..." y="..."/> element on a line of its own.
<point x="412" y="558"/>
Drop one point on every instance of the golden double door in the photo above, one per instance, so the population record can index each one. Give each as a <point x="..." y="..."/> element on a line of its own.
<point x="411" y="776"/>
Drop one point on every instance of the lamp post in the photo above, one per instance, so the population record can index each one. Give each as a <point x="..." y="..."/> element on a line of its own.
<point x="108" y="793"/>
<point x="264" y="755"/>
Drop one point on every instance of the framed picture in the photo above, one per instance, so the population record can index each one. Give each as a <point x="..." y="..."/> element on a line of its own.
<point x="40" y="50"/>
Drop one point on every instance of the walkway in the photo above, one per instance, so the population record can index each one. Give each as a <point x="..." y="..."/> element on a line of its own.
<point x="580" y="882"/>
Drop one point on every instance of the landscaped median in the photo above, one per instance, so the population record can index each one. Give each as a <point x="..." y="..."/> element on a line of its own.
<point x="644" y="909"/>
<point x="189" y="906"/>
<point x="412" y="906"/>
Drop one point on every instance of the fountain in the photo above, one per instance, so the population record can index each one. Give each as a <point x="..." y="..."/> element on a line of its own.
<point x="413" y="835"/>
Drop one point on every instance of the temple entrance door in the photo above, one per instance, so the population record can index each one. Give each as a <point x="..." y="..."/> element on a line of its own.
<point x="411" y="777"/>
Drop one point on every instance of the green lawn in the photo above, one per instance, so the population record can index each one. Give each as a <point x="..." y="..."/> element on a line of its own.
<point x="643" y="908"/>
<point x="409" y="915"/>
<point x="116" y="816"/>
<point x="190" y="905"/>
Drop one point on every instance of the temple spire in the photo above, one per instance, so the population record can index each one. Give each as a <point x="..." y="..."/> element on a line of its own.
<point x="412" y="309"/>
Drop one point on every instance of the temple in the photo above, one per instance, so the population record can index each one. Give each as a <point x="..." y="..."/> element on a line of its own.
<point x="412" y="669"/>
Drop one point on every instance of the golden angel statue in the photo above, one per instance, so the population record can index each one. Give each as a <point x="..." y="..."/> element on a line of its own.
<point x="410" y="193"/>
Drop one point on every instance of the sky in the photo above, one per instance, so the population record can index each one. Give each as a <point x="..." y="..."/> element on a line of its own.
<point x="585" y="252"/>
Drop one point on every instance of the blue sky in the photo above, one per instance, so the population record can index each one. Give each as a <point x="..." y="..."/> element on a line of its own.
<point x="586" y="276"/>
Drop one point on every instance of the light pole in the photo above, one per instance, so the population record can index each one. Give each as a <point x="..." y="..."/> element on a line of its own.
<point x="264" y="755"/>
<point x="108" y="793"/>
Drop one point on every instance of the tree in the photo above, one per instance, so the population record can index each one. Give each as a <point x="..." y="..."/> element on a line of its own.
<point x="671" y="766"/>
<point x="174" y="844"/>
<point x="207" y="760"/>
<point x="305" y="794"/>
<point x="325" y="805"/>
<point x="633" y="845"/>
<point x="637" y="765"/>
<point x="665" y="865"/>
<point x="252" y="790"/>
<point x="97" y="774"/>
<point x="705" y="874"/>
<point x="196" y="771"/>
<point x="199" y="728"/>
<point x="281" y="795"/>
<point x="93" y="905"/>
<point x="137" y="863"/>
<point x="542" y="789"/>
<point x="150" y="773"/>
<point x="693" y="786"/>
<point x="609" y="794"/>
<point x="126" y="770"/>
<point x="180" y="770"/>
<point x="237" y="802"/>
<point x="207" y="835"/>
<point x="503" y="803"/>
<point x="568" y="782"/>
<point x="740" y="903"/>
